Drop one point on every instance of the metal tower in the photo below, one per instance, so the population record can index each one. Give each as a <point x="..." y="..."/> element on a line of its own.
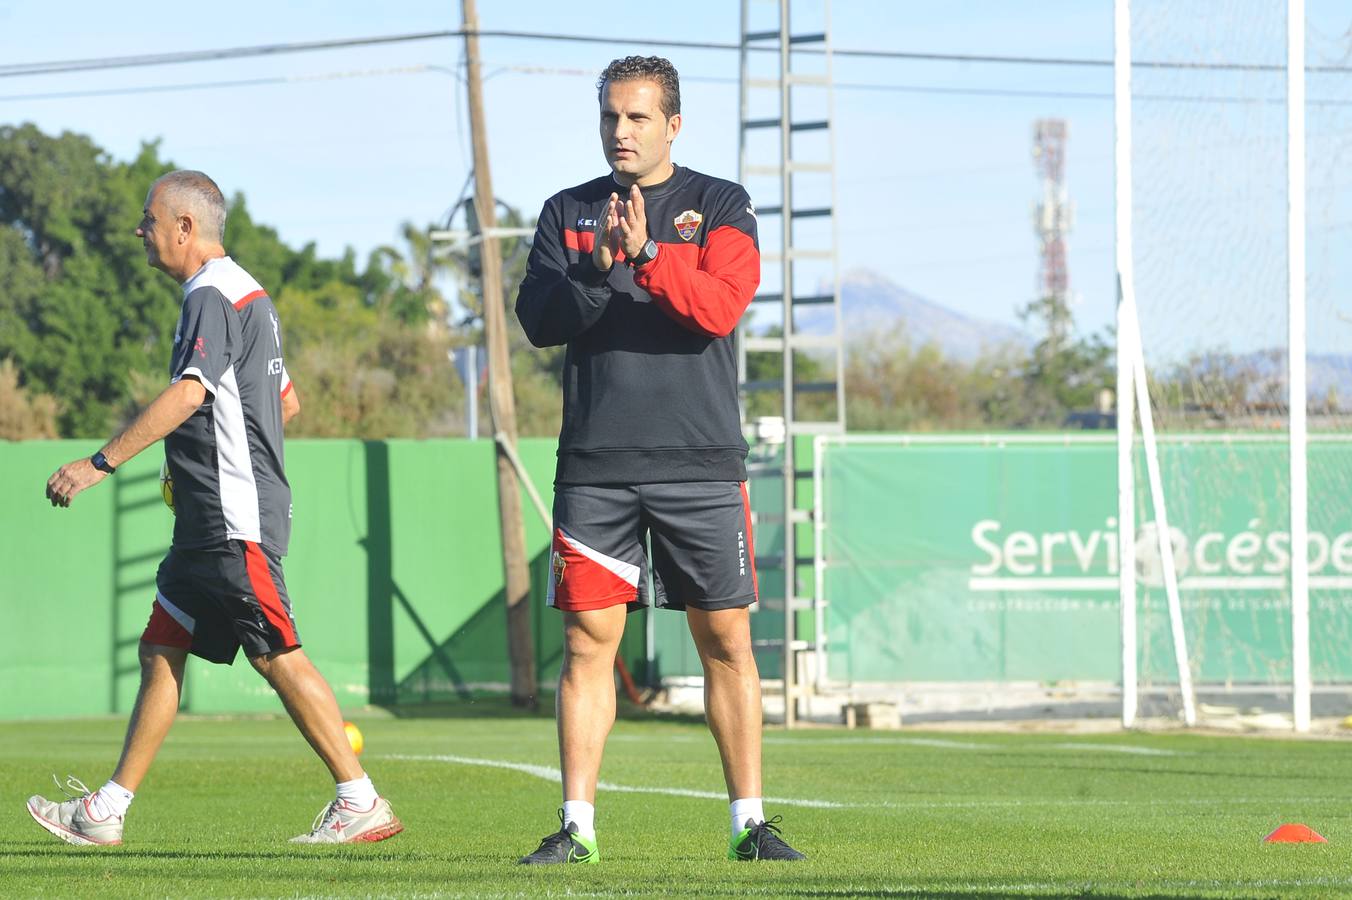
<point x="790" y="352"/>
<point x="1052" y="219"/>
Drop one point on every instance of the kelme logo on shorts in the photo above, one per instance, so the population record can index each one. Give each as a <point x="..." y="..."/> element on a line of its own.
<point x="687" y="223"/>
<point x="558" y="566"/>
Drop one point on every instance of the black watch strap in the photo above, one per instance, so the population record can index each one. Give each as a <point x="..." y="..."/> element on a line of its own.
<point x="100" y="462"/>
<point x="646" y="255"/>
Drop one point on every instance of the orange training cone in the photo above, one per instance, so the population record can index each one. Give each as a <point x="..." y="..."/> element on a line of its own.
<point x="1295" y="833"/>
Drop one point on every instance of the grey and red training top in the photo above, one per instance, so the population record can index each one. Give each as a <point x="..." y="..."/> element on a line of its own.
<point x="650" y="374"/>
<point x="226" y="459"/>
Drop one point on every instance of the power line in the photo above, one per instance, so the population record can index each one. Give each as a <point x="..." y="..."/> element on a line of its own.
<point x="13" y="70"/>
<point x="193" y="56"/>
<point x="920" y="89"/>
<point x="229" y="83"/>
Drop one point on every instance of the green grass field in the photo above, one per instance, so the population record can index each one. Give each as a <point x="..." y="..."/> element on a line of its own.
<point x="878" y="813"/>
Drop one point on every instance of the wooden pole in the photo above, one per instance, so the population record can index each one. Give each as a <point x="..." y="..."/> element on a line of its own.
<point x="501" y="405"/>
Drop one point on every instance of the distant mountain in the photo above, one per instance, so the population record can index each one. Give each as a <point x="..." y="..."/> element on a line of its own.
<point x="1322" y="372"/>
<point x="870" y="304"/>
<point x="1328" y="377"/>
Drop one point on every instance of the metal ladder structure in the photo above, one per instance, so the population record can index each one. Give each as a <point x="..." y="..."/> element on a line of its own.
<point x="786" y="152"/>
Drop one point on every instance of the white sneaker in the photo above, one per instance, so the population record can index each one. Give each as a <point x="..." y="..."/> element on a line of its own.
<point x="339" y="823"/>
<point x="73" y="820"/>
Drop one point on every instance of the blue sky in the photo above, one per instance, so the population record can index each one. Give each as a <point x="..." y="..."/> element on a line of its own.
<point x="935" y="189"/>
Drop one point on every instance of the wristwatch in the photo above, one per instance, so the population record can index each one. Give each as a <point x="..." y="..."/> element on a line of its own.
<point x="646" y="255"/>
<point x="100" y="462"/>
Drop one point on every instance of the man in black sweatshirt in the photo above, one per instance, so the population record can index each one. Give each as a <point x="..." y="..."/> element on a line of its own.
<point x="643" y="274"/>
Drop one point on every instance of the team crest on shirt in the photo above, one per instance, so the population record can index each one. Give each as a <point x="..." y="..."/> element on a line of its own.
<point x="687" y="223"/>
<point x="559" y="565"/>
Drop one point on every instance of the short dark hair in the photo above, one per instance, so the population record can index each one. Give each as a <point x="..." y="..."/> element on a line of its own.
<point x="652" y="68"/>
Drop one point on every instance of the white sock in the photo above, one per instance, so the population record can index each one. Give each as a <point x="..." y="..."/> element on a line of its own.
<point x="359" y="793"/>
<point x="583" y="815"/>
<point x="111" y="800"/>
<point x="744" y="809"/>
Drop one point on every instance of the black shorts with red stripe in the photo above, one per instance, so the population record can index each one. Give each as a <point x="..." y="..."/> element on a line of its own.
<point x="212" y="602"/>
<point x="702" y="548"/>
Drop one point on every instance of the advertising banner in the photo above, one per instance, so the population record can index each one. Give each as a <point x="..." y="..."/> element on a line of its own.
<point x="953" y="559"/>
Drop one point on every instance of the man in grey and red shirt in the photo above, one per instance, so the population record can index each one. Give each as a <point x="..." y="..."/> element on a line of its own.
<point x="644" y="273"/>
<point x="221" y="587"/>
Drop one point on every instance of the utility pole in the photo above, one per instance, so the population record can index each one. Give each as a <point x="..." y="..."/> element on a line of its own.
<point x="501" y="404"/>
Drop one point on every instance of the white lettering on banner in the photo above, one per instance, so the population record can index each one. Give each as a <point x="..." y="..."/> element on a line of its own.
<point x="1252" y="559"/>
<point x="1020" y="545"/>
<point x="1342" y="552"/>
<point x="1084" y="550"/>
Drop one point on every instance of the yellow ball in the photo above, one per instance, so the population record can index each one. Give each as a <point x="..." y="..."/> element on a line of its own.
<point x="1347" y="723"/>
<point x="354" y="737"/>
<point x="167" y="486"/>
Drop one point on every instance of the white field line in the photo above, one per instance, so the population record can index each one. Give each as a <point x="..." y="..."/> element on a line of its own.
<point x="771" y="741"/>
<point x="1282" y="803"/>
<point x="941" y="743"/>
<point x="1119" y="748"/>
<point x="548" y="773"/>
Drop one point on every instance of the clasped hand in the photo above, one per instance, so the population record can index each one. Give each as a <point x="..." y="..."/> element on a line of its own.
<point x="623" y="227"/>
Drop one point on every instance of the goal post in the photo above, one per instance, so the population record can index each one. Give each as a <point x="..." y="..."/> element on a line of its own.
<point x="1296" y="378"/>
<point x="1134" y="393"/>
<point x="1126" y="392"/>
<point x="1195" y="565"/>
<point x="1210" y="145"/>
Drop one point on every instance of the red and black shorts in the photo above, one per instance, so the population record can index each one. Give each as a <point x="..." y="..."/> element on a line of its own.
<point x="212" y="602"/>
<point x="701" y="546"/>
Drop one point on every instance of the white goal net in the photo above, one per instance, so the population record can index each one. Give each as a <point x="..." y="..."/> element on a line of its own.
<point x="1236" y="208"/>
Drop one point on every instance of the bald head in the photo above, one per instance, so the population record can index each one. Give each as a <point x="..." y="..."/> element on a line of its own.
<point x="191" y="193"/>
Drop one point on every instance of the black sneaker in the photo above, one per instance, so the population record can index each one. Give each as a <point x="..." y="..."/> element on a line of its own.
<point x="563" y="846"/>
<point x="761" y="840"/>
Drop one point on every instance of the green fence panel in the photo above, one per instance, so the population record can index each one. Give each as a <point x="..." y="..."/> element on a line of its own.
<point x="394" y="572"/>
<point x="57" y="568"/>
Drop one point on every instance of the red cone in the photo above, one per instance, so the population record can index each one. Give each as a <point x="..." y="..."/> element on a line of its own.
<point x="1295" y="833"/>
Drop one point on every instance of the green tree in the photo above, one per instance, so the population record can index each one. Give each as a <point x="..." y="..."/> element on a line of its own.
<point x="414" y="274"/>
<point x="87" y="323"/>
<point x="361" y="372"/>
<point x="536" y="374"/>
<point x="79" y="309"/>
<point x="1063" y="374"/>
<point x="23" y="414"/>
<point x="766" y="371"/>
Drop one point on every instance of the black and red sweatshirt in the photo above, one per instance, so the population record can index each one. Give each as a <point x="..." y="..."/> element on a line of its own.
<point x="650" y="375"/>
